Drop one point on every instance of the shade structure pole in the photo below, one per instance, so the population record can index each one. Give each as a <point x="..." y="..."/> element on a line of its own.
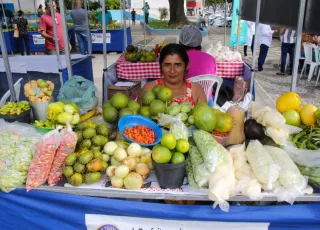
<point x="3" y="13"/>
<point x="19" y="5"/>
<point x="124" y="26"/>
<point x="144" y="23"/>
<point x="297" y="49"/>
<point x="65" y="38"/>
<point x="35" y="9"/>
<point x="103" y="5"/>
<point x="7" y="66"/>
<point x="238" y="27"/>
<point x="225" y="22"/>
<point x="254" y="57"/>
<point x="88" y="26"/>
<point x="56" y="42"/>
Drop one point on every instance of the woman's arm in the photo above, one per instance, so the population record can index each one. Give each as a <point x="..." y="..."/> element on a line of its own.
<point x="198" y="94"/>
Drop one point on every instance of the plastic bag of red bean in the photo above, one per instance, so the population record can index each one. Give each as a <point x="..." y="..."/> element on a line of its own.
<point x="41" y="164"/>
<point x="68" y="145"/>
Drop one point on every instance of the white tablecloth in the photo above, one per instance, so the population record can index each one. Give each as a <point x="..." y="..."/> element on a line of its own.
<point x="38" y="63"/>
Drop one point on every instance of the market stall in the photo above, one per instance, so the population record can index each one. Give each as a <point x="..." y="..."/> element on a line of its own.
<point x="158" y="150"/>
<point x="36" y="67"/>
<point x="115" y="39"/>
<point x="36" y="41"/>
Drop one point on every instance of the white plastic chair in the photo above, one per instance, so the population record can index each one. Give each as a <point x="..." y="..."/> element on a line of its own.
<point x="5" y="97"/>
<point x="308" y="50"/>
<point x="207" y="82"/>
<point x="318" y="56"/>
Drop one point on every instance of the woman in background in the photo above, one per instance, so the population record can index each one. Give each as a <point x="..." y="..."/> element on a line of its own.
<point x="22" y="25"/>
<point x="40" y="11"/>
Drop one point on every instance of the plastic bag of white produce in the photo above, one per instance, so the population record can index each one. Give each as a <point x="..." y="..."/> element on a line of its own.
<point x="247" y="183"/>
<point x="262" y="164"/>
<point x="293" y="182"/>
<point x="222" y="183"/>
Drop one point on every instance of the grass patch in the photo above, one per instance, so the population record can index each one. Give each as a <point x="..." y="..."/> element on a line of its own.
<point x="158" y="24"/>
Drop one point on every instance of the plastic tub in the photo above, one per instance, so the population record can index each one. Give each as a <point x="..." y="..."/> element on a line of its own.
<point x="170" y="175"/>
<point x="39" y="109"/>
<point x="22" y="117"/>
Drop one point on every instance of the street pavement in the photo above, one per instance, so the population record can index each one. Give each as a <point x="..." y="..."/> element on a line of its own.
<point x="268" y="85"/>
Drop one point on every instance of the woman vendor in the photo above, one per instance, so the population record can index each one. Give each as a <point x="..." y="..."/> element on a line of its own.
<point x="174" y="65"/>
<point x="201" y="63"/>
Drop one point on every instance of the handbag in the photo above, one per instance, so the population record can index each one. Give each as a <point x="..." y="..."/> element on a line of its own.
<point x="240" y="88"/>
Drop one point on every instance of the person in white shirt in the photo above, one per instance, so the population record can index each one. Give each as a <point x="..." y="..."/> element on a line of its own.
<point x="264" y="36"/>
<point x="250" y="38"/>
<point x="287" y="47"/>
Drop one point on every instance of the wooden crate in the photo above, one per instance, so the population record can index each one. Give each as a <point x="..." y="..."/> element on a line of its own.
<point x="132" y="92"/>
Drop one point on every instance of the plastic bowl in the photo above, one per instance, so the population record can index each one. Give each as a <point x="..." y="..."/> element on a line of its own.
<point x="42" y="129"/>
<point x="132" y="120"/>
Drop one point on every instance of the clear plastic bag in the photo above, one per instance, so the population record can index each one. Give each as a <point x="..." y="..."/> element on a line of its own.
<point x="222" y="183"/>
<point x="262" y="164"/>
<point x="67" y="146"/>
<point x="247" y="183"/>
<point x="80" y="91"/>
<point x="42" y="161"/>
<point x="177" y="127"/>
<point x="17" y="146"/>
<point x="292" y="182"/>
<point x="303" y="157"/>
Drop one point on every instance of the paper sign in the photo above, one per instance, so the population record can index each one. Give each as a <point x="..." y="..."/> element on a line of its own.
<point x="38" y="39"/>
<point x="97" y="38"/>
<point x="242" y="36"/>
<point x="104" y="222"/>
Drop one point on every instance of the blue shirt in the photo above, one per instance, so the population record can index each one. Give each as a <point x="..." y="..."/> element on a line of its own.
<point x="108" y="17"/>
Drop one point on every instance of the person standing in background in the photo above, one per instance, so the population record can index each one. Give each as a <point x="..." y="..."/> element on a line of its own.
<point x="250" y="38"/>
<point x="79" y="16"/>
<point x="7" y="18"/>
<point x="108" y="17"/>
<point x="264" y="36"/>
<point x="40" y="11"/>
<point x="146" y="11"/>
<point x="22" y="25"/>
<point x="287" y="47"/>
<point x="133" y="16"/>
<point x="46" y="28"/>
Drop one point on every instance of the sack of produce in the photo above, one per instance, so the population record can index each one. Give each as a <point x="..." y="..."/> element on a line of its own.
<point x="67" y="146"/>
<point x="177" y="127"/>
<point x="80" y="91"/>
<point x="262" y="164"/>
<point x="42" y="161"/>
<point x="17" y="146"/>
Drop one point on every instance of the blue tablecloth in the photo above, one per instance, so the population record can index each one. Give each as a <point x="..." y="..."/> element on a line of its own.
<point x="116" y="40"/>
<point x="11" y="42"/>
<point x="36" y="42"/>
<point x="50" y="210"/>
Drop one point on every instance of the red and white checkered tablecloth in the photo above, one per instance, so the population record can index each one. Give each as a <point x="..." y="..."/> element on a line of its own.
<point x="131" y="71"/>
<point x="229" y="69"/>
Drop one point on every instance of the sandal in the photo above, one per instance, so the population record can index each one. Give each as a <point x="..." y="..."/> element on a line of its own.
<point x="280" y="73"/>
